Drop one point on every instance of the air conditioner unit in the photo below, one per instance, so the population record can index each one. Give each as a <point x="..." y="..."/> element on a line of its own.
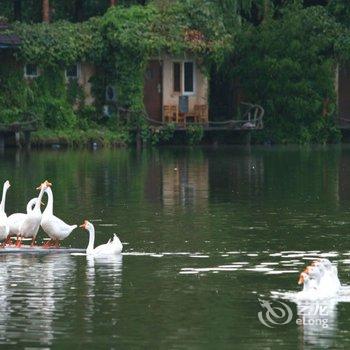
<point x="183" y="104"/>
<point x="107" y="111"/>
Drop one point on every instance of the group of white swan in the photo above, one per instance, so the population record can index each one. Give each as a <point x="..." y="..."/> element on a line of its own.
<point x="20" y="225"/>
<point x="320" y="280"/>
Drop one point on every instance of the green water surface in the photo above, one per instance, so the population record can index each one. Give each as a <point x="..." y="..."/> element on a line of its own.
<point x="206" y="233"/>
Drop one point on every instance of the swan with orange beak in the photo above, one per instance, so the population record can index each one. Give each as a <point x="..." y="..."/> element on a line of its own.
<point x="308" y="279"/>
<point x="54" y="227"/>
<point x="15" y="220"/>
<point x="30" y="226"/>
<point x="320" y="280"/>
<point x="112" y="247"/>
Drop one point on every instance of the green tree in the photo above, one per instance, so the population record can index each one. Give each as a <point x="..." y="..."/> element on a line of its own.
<point x="288" y="66"/>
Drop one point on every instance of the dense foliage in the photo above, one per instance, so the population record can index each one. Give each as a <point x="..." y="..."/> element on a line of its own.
<point x="29" y="11"/>
<point x="60" y="43"/>
<point x="120" y="44"/>
<point x="281" y="54"/>
<point x="288" y="67"/>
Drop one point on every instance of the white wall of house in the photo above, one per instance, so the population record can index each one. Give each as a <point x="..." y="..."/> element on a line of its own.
<point x="199" y="96"/>
<point x="87" y="70"/>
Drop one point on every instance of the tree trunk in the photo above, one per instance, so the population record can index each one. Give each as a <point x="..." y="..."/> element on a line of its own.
<point x="113" y="2"/>
<point x="79" y="11"/>
<point x="46" y="11"/>
<point x="266" y="10"/>
<point x="17" y="10"/>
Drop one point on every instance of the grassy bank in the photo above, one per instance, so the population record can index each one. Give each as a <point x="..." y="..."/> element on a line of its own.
<point x="80" y="138"/>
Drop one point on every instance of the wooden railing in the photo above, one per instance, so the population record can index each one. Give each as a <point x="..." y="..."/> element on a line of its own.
<point x="252" y="118"/>
<point x="26" y="126"/>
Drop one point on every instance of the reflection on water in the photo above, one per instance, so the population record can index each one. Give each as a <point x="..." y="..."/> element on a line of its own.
<point x="30" y="289"/>
<point x="206" y="232"/>
<point x="109" y="266"/>
<point x="185" y="183"/>
<point x="35" y="291"/>
<point x="317" y="323"/>
<point x="109" y="269"/>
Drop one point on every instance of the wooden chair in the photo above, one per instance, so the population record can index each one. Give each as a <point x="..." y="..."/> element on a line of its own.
<point x="170" y="114"/>
<point x="201" y="114"/>
<point x="182" y="119"/>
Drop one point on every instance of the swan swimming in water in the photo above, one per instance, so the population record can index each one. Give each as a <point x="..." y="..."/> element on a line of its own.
<point x="112" y="247"/>
<point x="320" y="280"/>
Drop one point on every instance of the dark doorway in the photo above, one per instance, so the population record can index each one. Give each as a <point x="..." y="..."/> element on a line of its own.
<point x="153" y="90"/>
<point x="224" y="96"/>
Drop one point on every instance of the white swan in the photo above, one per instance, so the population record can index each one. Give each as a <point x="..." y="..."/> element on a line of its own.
<point x="112" y="247"/>
<point x="55" y="228"/>
<point x="320" y="280"/>
<point x="15" y="220"/>
<point x="30" y="226"/>
<point x="4" y="227"/>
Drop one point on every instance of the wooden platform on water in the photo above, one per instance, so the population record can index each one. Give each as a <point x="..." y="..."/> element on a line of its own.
<point x="40" y="250"/>
<point x="16" y="129"/>
<point x="209" y="128"/>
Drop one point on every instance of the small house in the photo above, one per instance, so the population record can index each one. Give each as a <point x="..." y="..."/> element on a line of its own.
<point x="176" y="91"/>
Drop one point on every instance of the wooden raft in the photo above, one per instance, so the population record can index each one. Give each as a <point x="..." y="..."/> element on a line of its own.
<point x="40" y="250"/>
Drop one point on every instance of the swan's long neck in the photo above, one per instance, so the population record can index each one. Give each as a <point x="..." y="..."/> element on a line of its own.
<point x="38" y="201"/>
<point x="90" y="246"/>
<point x="3" y="199"/>
<point x="30" y="205"/>
<point x="49" y="207"/>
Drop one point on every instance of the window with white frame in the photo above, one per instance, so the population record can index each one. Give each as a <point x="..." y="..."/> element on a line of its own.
<point x="184" y="77"/>
<point x="73" y="71"/>
<point x="30" y="70"/>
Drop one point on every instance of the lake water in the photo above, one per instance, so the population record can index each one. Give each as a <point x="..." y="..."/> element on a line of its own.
<point x="206" y="233"/>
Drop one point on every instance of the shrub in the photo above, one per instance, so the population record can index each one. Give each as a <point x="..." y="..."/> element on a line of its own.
<point x="58" y="115"/>
<point x="194" y="134"/>
<point x="287" y="65"/>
